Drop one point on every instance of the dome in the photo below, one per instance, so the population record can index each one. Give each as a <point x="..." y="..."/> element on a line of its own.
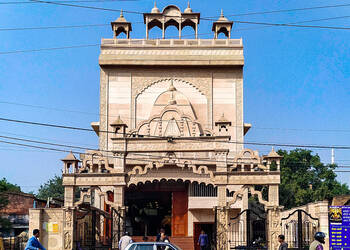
<point x="188" y="9"/>
<point x="121" y="18"/>
<point x="222" y="18"/>
<point x="155" y="8"/>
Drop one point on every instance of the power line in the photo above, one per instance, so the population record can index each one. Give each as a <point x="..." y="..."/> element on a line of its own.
<point x="130" y="118"/>
<point x="53" y="27"/>
<point x="46" y="49"/>
<point x="208" y="19"/>
<point x="288" y="10"/>
<point x="197" y="139"/>
<point x="77" y="1"/>
<point x="149" y="157"/>
<point x="203" y="18"/>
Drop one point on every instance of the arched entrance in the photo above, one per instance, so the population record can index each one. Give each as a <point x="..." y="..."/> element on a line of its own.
<point x="155" y="205"/>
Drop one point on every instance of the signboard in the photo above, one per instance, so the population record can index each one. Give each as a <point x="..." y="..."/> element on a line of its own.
<point x="339" y="227"/>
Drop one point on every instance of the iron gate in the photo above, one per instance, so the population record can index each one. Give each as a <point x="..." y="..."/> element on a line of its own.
<point x="93" y="229"/>
<point x="247" y="230"/>
<point x="299" y="228"/>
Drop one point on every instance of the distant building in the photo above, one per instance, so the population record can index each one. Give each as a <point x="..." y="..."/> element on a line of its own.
<point x="17" y="211"/>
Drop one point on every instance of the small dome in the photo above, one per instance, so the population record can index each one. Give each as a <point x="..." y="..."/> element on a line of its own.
<point x="273" y="154"/>
<point x="70" y="157"/>
<point x="121" y="18"/>
<point x="222" y="18"/>
<point x="155" y="8"/>
<point x="188" y="9"/>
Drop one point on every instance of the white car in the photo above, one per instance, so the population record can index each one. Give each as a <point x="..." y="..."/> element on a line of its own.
<point x="152" y="246"/>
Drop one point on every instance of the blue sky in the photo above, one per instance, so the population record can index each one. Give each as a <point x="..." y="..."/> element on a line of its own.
<point x="294" y="78"/>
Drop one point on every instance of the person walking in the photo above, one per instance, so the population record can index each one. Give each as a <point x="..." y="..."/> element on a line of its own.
<point x="162" y="230"/>
<point x="203" y="240"/>
<point x="33" y="243"/>
<point x="283" y="244"/>
<point x="319" y="240"/>
<point x="124" y="241"/>
<point x="164" y="238"/>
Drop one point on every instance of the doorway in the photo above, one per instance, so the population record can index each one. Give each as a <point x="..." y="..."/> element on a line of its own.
<point x="156" y="205"/>
<point x="208" y="228"/>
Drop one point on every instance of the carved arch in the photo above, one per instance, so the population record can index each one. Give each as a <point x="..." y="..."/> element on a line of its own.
<point x="168" y="79"/>
<point x="252" y="191"/>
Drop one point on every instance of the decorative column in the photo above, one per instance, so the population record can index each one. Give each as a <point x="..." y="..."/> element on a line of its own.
<point x="118" y="215"/>
<point x="222" y="227"/>
<point x="273" y="225"/>
<point x="68" y="229"/>
<point x="69" y="192"/>
<point x="222" y="209"/>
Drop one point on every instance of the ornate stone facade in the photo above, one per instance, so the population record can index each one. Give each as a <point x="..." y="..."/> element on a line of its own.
<point x="171" y="111"/>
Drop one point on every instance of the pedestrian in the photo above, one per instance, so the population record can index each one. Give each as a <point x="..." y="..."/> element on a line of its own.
<point x="124" y="241"/>
<point x="145" y="238"/>
<point x="203" y="240"/>
<point x="319" y="240"/>
<point x="164" y="238"/>
<point x="283" y="244"/>
<point x="33" y="243"/>
<point x="162" y="230"/>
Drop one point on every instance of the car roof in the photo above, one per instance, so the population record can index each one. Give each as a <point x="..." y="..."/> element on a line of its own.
<point x="151" y="243"/>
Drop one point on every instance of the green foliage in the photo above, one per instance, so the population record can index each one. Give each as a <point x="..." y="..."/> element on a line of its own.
<point x="304" y="179"/>
<point x="5" y="186"/>
<point x="52" y="188"/>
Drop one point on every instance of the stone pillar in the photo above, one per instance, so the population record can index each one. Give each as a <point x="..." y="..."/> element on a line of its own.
<point x="274" y="195"/>
<point x="273" y="226"/>
<point x="222" y="228"/>
<point x="180" y="29"/>
<point x="68" y="229"/>
<point x="118" y="215"/>
<point x="35" y="217"/>
<point x="322" y="215"/>
<point x="69" y="192"/>
<point x="222" y="210"/>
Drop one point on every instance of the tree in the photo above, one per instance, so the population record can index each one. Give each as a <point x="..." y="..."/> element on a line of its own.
<point x="5" y="187"/>
<point x="52" y="188"/>
<point x="304" y="179"/>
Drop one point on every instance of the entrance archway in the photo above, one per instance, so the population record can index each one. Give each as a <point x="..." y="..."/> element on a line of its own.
<point x="155" y="205"/>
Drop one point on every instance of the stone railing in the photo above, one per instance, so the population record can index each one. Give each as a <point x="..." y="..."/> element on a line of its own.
<point x="173" y="42"/>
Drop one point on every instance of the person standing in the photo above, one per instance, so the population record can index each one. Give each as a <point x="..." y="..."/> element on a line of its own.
<point x="124" y="241"/>
<point x="203" y="240"/>
<point x="283" y="244"/>
<point x="33" y="243"/>
<point x="319" y="240"/>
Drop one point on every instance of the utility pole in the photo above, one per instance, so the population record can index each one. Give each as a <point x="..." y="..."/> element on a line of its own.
<point x="332" y="158"/>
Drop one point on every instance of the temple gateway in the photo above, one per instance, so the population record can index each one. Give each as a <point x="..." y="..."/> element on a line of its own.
<point x="171" y="147"/>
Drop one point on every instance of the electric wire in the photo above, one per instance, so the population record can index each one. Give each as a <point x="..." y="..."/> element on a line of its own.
<point x="148" y="159"/>
<point x="138" y="118"/>
<point x="196" y="139"/>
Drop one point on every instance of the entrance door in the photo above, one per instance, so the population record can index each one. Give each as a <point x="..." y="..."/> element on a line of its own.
<point x="179" y="213"/>
<point x="208" y="228"/>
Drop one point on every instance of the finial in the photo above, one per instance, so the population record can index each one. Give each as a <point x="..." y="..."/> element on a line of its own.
<point x="222" y="13"/>
<point x="121" y="13"/>
<point x="155" y="4"/>
<point x="188" y="4"/>
<point x="172" y="87"/>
